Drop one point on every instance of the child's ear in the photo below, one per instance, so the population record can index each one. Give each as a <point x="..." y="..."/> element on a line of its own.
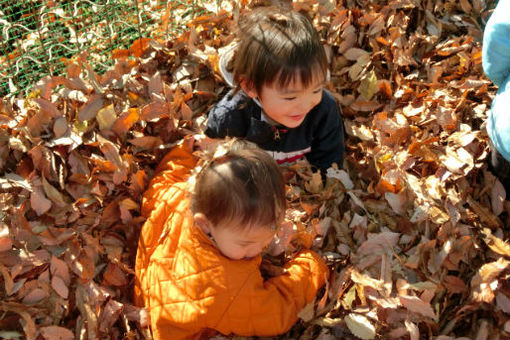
<point x="202" y="222"/>
<point x="248" y="88"/>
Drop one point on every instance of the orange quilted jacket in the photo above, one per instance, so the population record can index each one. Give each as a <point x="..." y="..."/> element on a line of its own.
<point x="190" y="289"/>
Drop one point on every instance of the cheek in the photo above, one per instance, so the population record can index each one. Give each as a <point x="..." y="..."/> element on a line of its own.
<point x="234" y="252"/>
<point x="276" y="110"/>
<point x="254" y="251"/>
<point x="317" y="98"/>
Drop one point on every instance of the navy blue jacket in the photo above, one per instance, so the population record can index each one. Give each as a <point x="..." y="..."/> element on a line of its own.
<point x="320" y="137"/>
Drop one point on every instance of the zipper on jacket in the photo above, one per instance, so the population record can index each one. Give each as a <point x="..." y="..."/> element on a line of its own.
<point x="276" y="132"/>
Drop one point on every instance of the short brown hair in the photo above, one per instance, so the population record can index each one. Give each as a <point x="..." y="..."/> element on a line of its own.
<point x="251" y="191"/>
<point x="275" y="44"/>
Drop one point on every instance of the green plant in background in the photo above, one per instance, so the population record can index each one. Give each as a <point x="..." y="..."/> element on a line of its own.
<point x="38" y="36"/>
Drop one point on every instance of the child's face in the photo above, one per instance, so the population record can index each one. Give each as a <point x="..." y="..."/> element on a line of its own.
<point x="290" y="105"/>
<point x="237" y="243"/>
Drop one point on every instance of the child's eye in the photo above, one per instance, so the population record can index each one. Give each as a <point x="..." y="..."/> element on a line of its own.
<point x="318" y="91"/>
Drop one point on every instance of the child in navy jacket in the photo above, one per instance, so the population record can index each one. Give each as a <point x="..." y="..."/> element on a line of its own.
<point x="279" y="68"/>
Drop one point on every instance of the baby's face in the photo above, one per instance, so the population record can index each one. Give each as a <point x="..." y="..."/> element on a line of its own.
<point x="290" y="105"/>
<point x="241" y="243"/>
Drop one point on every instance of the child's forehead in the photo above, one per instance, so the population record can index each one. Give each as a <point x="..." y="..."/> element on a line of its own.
<point x="253" y="233"/>
<point x="249" y="232"/>
<point x="295" y="84"/>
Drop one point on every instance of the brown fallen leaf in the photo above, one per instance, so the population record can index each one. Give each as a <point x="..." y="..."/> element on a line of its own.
<point x="110" y="314"/>
<point x="416" y="305"/>
<point x="91" y="108"/>
<point x="56" y="333"/>
<point x="498" y="196"/>
<point x="59" y="286"/>
<point x="114" y="275"/>
<point x="146" y="142"/>
<point x="48" y="107"/>
<point x="125" y="121"/>
<point x="484" y="214"/>
<point x="454" y="284"/>
<point x="39" y="202"/>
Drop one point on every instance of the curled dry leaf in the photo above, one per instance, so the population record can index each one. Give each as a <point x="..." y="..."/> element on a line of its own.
<point x="414" y="332"/>
<point x="360" y="326"/>
<point x="496" y="244"/>
<point x="8" y="282"/>
<point x="110" y="314"/>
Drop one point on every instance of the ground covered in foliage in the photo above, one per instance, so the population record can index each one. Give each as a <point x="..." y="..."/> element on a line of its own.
<point x="414" y="227"/>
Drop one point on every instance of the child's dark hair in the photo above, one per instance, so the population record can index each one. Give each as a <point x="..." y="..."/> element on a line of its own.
<point x="245" y="185"/>
<point x="275" y="44"/>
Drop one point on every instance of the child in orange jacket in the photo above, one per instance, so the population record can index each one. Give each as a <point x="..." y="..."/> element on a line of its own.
<point x="198" y="261"/>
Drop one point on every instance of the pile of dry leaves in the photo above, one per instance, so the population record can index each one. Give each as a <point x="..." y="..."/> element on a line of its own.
<point x="414" y="226"/>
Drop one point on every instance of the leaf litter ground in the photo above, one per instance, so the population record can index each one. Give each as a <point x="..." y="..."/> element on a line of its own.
<point x="414" y="227"/>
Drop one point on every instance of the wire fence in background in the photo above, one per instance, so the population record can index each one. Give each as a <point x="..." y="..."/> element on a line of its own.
<point x="39" y="36"/>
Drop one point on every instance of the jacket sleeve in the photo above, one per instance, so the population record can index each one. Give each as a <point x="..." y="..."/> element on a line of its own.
<point x="496" y="44"/>
<point x="174" y="167"/>
<point x="328" y="140"/>
<point x="157" y="200"/>
<point x="269" y="308"/>
<point x="228" y="117"/>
